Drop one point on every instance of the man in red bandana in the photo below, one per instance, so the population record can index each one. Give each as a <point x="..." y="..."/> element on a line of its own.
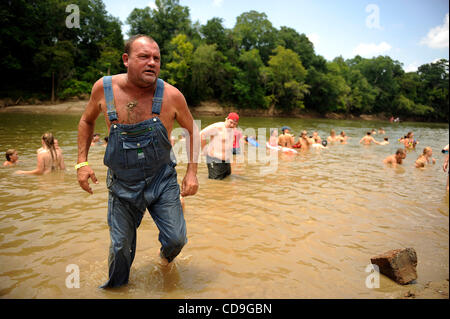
<point x="219" y="150"/>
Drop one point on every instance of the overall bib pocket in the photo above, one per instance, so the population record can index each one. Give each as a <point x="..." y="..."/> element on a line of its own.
<point x="139" y="151"/>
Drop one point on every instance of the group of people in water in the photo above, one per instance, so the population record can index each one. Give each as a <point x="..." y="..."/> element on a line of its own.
<point x="50" y="157"/>
<point x="219" y="164"/>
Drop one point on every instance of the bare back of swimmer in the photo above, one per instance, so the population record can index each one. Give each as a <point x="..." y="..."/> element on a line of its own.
<point x="49" y="158"/>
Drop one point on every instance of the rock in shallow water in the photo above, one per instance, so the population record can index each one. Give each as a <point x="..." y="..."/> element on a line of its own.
<point x="398" y="264"/>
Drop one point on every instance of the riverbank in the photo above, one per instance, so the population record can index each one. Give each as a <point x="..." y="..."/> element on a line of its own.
<point x="216" y="109"/>
<point x="70" y="107"/>
<point x="204" y="109"/>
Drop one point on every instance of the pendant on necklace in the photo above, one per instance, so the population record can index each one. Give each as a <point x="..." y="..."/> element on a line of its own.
<point x="131" y="105"/>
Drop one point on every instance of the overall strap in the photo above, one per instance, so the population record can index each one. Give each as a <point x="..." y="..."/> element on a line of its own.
<point x="109" y="98"/>
<point x="158" y="97"/>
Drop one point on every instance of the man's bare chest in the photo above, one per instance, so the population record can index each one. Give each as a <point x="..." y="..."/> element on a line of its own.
<point x="131" y="110"/>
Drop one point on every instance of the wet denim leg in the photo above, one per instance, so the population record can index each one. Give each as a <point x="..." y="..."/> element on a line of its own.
<point x="167" y="213"/>
<point x="123" y="220"/>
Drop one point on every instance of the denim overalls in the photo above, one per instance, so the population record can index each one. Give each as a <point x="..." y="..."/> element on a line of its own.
<point x="141" y="175"/>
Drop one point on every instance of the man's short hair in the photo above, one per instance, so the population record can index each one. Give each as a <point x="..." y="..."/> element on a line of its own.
<point x="127" y="48"/>
<point x="400" y="151"/>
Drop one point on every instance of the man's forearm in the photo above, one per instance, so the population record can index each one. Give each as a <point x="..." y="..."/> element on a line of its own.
<point x="191" y="168"/>
<point x="85" y="132"/>
<point x="193" y="145"/>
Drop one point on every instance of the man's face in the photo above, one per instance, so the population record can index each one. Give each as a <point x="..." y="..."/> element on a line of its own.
<point x="229" y="123"/>
<point x="143" y="62"/>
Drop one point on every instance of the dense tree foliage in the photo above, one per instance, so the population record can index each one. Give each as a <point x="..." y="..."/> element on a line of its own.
<point x="40" y="54"/>
<point x="252" y="65"/>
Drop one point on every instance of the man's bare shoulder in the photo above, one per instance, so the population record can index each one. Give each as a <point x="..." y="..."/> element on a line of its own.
<point x="173" y="93"/>
<point x="118" y="79"/>
<point x="390" y="158"/>
<point x="213" y="127"/>
<point x="97" y="94"/>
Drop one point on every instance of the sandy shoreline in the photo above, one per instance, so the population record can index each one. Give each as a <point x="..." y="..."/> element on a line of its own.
<point x="209" y="108"/>
<point x="204" y="109"/>
<point x="76" y="107"/>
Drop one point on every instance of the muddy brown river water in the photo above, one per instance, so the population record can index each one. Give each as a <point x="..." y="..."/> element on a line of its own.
<point x="305" y="230"/>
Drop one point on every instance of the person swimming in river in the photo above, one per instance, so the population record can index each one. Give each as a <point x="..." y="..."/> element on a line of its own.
<point x="273" y="139"/>
<point x="318" y="144"/>
<point x="445" y="165"/>
<point x="49" y="159"/>
<point x="273" y="143"/>
<point x="384" y="142"/>
<point x="395" y="159"/>
<point x="96" y="140"/>
<point x="425" y="158"/>
<point x="409" y="141"/>
<point x="237" y="140"/>
<point x="286" y="139"/>
<point x="316" y="135"/>
<point x="332" y="138"/>
<point x="11" y="157"/>
<point x="343" y="137"/>
<point x="368" y="139"/>
<point x="304" y="141"/>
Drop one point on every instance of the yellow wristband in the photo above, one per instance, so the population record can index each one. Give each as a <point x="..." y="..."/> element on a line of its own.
<point x="81" y="165"/>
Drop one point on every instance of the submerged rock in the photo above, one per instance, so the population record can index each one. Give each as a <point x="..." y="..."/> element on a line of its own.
<point x="399" y="265"/>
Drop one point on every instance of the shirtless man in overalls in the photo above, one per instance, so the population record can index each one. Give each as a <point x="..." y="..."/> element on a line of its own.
<point x="139" y="110"/>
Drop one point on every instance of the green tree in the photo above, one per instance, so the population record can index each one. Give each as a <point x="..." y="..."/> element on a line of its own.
<point x="178" y="69"/>
<point x="382" y="73"/>
<point x="214" y="33"/>
<point x="162" y="24"/>
<point x="254" y="31"/>
<point x="299" y="43"/>
<point x="56" y="62"/>
<point x="248" y="86"/>
<point x="110" y="61"/>
<point x="433" y="89"/>
<point x="285" y="79"/>
<point x="37" y="29"/>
